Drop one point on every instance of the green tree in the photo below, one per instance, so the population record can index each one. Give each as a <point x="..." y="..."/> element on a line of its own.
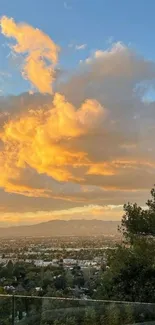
<point x="69" y="278"/>
<point x="131" y="270"/>
<point x="9" y="268"/>
<point x="138" y="222"/>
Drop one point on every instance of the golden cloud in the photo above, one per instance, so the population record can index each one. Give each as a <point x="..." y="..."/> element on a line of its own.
<point x="40" y="139"/>
<point x="91" y="135"/>
<point x="41" y="52"/>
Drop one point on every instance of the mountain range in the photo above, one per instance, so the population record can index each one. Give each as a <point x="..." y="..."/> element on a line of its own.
<point x="55" y="228"/>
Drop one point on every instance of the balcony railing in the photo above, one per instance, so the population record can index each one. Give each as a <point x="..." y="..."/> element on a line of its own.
<point x="35" y="310"/>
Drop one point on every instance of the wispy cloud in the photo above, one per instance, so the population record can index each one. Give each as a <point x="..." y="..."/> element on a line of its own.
<point x="80" y="47"/>
<point x="77" y="47"/>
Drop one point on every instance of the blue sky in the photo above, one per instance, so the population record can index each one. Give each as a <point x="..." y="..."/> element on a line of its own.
<point x="91" y="22"/>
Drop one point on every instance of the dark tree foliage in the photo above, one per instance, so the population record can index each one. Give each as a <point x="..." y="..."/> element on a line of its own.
<point x="139" y="222"/>
<point x="131" y="272"/>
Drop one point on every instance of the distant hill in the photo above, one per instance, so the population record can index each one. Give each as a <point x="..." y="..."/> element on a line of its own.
<point x="63" y="228"/>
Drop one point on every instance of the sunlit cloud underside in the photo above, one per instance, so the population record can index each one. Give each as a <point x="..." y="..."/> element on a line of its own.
<point x="77" y="148"/>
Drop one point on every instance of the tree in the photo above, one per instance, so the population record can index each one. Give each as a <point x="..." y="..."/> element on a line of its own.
<point x="131" y="273"/>
<point x="47" y="279"/>
<point x="60" y="282"/>
<point x="139" y="222"/>
<point x="9" y="268"/>
<point x="69" y="278"/>
<point x="19" y="270"/>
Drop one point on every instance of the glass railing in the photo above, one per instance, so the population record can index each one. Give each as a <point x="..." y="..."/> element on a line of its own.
<point x="34" y="310"/>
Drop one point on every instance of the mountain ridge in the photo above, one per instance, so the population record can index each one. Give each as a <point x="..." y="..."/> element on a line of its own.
<point x="60" y="227"/>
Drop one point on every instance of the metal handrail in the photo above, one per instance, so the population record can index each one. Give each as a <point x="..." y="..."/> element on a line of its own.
<point x="78" y="299"/>
<point x="118" y="302"/>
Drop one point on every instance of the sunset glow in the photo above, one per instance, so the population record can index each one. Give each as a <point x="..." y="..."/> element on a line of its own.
<point x="79" y="142"/>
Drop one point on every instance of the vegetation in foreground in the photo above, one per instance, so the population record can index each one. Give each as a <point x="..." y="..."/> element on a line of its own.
<point x="130" y="276"/>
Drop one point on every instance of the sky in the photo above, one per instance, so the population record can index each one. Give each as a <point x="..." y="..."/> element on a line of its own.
<point x="77" y="108"/>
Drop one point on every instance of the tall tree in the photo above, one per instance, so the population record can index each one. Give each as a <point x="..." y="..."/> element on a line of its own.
<point x="139" y="222"/>
<point x="131" y="273"/>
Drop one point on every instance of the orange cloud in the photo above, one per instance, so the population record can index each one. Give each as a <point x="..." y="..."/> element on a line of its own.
<point x="41" y="53"/>
<point x="41" y="138"/>
<point x="99" y="144"/>
<point x="101" y="169"/>
<point x="115" y="167"/>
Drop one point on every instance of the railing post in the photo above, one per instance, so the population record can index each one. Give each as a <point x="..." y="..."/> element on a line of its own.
<point x="13" y="310"/>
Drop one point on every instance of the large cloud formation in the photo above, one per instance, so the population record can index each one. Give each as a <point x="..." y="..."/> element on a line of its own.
<point x="92" y="141"/>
